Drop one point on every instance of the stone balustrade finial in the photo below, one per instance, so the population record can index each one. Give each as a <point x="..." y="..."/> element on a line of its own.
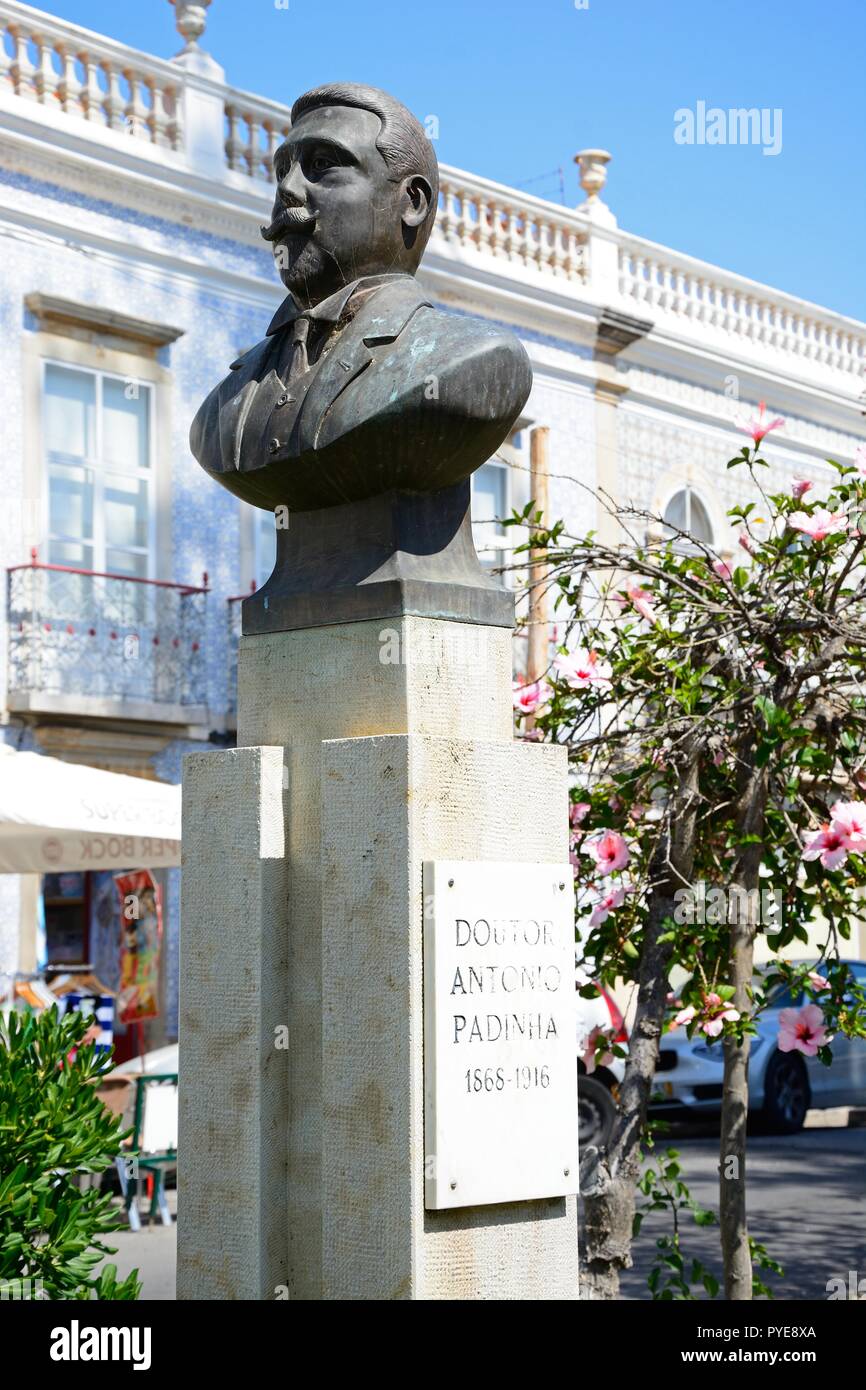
<point x="593" y="177"/>
<point x="190" y="20"/>
<point x="593" y="171"/>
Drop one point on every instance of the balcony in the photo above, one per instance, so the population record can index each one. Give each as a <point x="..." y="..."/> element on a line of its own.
<point x="104" y="646"/>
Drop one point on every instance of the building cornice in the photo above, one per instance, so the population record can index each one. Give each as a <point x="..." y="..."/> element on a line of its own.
<point x="53" y="312"/>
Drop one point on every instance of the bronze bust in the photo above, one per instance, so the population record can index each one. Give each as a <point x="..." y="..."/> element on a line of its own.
<point x="365" y="409"/>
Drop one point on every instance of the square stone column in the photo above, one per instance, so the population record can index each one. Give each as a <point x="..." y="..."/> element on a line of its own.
<point x="389" y="803"/>
<point x="233" y="1085"/>
<point x="396" y="745"/>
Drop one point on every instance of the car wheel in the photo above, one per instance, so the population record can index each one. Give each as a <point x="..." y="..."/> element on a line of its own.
<point x="596" y="1112"/>
<point x="787" y="1096"/>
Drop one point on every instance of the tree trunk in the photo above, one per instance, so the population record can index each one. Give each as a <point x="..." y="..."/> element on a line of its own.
<point x="609" y="1197"/>
<point x="736" y="1257"/>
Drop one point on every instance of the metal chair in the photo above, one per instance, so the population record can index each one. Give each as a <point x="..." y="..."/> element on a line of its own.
<point x="153" y="1148"/>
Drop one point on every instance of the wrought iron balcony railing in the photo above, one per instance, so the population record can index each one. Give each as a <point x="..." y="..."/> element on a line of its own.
<point x="108" y="640"/>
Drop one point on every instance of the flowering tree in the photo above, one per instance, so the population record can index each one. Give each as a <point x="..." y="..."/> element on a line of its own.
<point x="714" y="712"/>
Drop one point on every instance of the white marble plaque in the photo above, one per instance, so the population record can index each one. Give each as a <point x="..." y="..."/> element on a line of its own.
<point x="500" y="1071"/>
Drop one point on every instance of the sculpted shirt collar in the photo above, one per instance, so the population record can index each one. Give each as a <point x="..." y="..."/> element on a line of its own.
<point x="328" y="312"/>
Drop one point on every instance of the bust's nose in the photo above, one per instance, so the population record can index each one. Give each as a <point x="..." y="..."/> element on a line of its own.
<point x="292" y="189"/>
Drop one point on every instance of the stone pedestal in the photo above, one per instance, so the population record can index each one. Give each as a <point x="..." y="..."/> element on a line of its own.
<point x="393" y="745"/>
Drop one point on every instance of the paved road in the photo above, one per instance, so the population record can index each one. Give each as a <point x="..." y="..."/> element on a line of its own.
<point x="153" y="1252"/>
<point x="806" y="1203"/>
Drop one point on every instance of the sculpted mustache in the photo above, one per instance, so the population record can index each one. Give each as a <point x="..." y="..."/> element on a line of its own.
<point x="289" y="220"/>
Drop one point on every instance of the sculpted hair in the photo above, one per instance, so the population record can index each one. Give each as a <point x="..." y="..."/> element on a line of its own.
<point x="401" y="142"/>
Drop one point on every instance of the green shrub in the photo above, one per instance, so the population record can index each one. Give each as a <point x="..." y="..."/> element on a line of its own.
<point x="53" y="1127"/>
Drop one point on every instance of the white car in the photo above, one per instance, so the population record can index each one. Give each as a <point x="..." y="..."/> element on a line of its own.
<point x="782" y="1085"/>
<point x="596" y="1093"/>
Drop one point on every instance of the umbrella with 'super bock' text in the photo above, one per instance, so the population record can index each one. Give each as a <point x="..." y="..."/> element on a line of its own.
<point x="57" y="816"/>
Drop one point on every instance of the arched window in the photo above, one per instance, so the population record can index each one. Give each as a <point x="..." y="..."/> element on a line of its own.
<point x="687" y="512"/>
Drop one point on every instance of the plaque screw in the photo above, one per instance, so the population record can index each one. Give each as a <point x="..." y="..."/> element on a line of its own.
<point x="274" y="445"/>
<point x="562" y="887"/>
<point x="566" y="1171"/>
<point x="453" y="1186"/>
<point x="450" y="883"/>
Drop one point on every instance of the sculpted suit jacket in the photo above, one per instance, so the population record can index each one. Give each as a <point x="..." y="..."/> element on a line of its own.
<point x="405" y="396"/>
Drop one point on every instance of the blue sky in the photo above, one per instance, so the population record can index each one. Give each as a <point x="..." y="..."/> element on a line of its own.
<point x="518" y="88"/>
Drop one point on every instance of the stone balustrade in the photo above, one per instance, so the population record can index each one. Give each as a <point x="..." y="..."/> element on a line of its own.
<point x="59" y="65"/>
<point x="683" y="293"/>
<point x="478" y="215"/>
<point x="254" y="130"/>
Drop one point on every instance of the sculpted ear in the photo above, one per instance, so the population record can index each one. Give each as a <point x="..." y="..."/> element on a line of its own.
<point x="417" y="200"/>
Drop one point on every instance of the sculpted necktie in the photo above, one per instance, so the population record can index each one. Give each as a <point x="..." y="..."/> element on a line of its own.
<point x="299" y="362"/>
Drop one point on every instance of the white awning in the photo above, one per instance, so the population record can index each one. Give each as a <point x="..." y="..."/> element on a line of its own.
<point x="57" y="816"/>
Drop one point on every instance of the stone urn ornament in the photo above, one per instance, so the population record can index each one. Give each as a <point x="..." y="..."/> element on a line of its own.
<point x="190" y="21"/>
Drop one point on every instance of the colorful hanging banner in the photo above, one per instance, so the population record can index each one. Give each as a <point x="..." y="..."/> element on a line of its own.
<point x="141" y="919"/>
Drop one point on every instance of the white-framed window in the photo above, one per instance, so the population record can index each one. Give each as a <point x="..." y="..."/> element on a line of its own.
<point x="687" y="512"/>
<point x="498" y="488"/>
<point x="490" y="504"/>
<point x="97" y="430"/>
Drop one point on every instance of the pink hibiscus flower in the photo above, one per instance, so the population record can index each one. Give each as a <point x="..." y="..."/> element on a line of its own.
<point x="817" y="982"/>
<point x="848" y="820"/>
<point x="528" y="699"/>
<point x="802" y="1030"/>
<point x="609" y="850"/>
<point x="641" y="601"/>
<point x="860" y="459"/>
<point x="722" y="570"/>
<point x="684" y="1016"/>
<point x="828" y="846"/>
<point x="578" y="812"/>
<point x="759" y="426"/>
<point x="800" y="487"/>
<point x="712" y="1015"/>
<point x="602" y="910"/>
<point x="745" y="541"/>
<point x="820" y="524"/>
<point x="582" y="669"/>
<point x="715" y="1014"/>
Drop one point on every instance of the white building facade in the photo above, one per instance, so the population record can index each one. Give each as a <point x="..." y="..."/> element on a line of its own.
<point x="132" y="189"/>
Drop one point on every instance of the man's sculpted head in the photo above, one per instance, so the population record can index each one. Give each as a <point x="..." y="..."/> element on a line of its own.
<point x="357" y="188"/>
